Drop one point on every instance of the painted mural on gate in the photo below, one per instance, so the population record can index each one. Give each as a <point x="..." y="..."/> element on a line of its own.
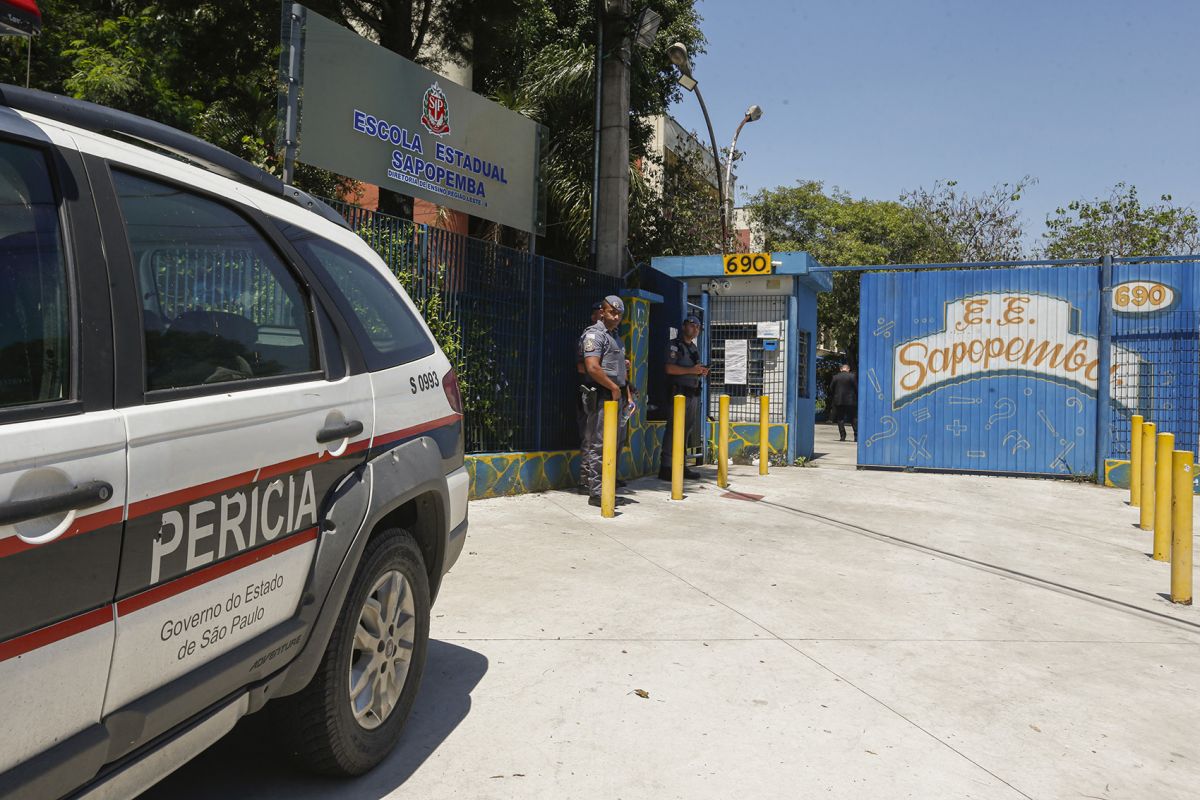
<point x="997" y="370"/>
<point x="990" y="370"/>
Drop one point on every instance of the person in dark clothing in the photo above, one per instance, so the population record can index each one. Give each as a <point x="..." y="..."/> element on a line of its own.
<point x="843" y="399"/>
<point x="685" y="373"/>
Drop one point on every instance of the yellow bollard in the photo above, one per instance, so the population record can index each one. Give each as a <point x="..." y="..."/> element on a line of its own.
<point x="678" y="429"/>
<point x="1181" y="530"/>
<point x="764" y="434"/>
<point x="1135" y="460"/>
<point x="723" y="442"/>
<point x="1146" y="521"/>
<point x="1162" y="497"/>
<point x="608" y="461"/>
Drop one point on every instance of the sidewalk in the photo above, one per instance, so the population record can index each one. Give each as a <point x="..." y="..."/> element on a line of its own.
<point x="852" y="634"/>
<point x="831" y="453"/>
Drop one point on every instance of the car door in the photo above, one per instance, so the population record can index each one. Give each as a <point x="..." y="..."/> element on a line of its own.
<point x="243" y="418"/>
<point x="62" y="450"/>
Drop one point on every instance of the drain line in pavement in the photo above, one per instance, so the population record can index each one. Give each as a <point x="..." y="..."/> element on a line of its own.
<point x="1004" y="572"/>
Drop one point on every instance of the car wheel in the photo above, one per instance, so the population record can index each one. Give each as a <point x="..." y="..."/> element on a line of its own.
<point x="352" y="713"/>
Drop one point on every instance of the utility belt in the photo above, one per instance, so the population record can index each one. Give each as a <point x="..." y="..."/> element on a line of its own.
<point x="686" y="391"/>
<point x="592" y="393"/>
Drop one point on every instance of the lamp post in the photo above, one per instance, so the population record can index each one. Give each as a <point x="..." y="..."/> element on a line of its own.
<point x="679" y="57"/>
<point x="753" y="113"/>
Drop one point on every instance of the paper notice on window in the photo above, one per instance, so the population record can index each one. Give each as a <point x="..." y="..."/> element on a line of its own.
<point x="768" y="330"/>
<point x="735" y="361"/>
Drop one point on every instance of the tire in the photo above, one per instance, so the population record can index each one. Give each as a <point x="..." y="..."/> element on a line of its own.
<point x="328" y="732"/>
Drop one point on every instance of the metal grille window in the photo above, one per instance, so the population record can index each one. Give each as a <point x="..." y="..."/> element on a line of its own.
<point x="1155" y="354"/>
<point x="802" y="349"/>
<point x="748" y="355"/>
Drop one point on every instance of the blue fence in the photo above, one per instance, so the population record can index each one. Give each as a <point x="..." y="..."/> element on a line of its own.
<point x="1156" y="351"/>
<point x="508" y="321"/>
<point x="1026" y="369"/>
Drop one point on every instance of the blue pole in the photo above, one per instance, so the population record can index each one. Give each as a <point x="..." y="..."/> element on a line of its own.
<point x="541" y="337"/>
<point x="704" y="356"/>
<point x="1104" y="410"/>
<point x="792" y="384"/>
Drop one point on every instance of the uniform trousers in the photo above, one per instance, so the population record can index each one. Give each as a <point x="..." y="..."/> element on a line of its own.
<point x="691" y="417"/>
<point x="593" y="446"/>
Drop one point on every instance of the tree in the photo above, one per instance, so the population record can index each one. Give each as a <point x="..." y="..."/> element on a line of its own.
<point x="674" y="210"/>
<point x="839" y="230"/>
<point x="983" y="227"/>
<point x="1119" y="225"/>
<point x="142" y="58"/>
<point x="536" y="56"/>
<point x="544" y="67"/>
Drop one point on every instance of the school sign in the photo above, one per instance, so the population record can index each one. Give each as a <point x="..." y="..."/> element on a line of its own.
<point x="372" y="115"/>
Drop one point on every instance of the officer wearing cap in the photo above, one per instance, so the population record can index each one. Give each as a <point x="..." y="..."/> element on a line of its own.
<point x="684" y="374"/>
<point x="606" y="378"/>
<point x="581" y="372"/>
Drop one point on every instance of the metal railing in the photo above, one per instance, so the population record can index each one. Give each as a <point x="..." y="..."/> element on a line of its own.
<point x="508" y="320"/>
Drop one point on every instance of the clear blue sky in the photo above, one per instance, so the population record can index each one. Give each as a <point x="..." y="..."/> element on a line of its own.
<point x="880" y="96"/>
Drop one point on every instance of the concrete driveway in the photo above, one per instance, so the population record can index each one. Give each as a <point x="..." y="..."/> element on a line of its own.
<point x="848" y="635"/>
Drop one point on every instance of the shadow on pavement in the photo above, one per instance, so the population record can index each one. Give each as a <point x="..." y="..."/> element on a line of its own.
<point x="243" y="764"/>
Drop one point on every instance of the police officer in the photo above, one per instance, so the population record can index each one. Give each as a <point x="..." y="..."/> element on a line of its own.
<point x="581" y="373"/>
<point x="606" y="378"/>
<point x="684" y="373"/>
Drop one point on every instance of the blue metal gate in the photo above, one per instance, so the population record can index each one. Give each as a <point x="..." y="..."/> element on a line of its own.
<point x="998" y="369"/>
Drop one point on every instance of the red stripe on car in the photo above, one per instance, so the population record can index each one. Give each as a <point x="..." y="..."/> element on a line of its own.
<point x="219" y="570"/>
<point x="55" y="633"/>
<point x="85" y="524"/>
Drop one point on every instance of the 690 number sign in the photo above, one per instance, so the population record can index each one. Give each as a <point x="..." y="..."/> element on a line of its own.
<point x="748" y="264"/>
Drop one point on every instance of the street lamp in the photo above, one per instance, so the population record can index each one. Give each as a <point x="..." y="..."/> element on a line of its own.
<point x="753" y="113"/>
<point x="679" y="57"/>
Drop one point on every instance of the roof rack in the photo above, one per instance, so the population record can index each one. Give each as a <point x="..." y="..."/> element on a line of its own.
<point x="193" y="149"/>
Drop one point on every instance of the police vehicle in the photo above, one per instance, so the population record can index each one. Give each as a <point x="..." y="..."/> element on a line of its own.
<point x="231" y="461"/>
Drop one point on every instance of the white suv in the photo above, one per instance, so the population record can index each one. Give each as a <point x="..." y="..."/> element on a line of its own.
<point x="231" y="461"/>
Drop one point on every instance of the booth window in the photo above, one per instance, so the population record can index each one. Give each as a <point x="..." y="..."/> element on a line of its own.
<point x="802" y="386"/>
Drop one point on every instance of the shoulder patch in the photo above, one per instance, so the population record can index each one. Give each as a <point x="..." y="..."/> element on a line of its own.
<point x="591" y="343"/>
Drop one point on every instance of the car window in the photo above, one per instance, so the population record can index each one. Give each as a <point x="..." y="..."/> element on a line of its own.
<point x="218" y="304"/>
<point x="388" y="332"/>
<point x="35" y="340"/>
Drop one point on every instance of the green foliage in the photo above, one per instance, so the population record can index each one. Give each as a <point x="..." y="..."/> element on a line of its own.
<point x="838" y="229"/>
<point x="208" y="68"/>
<point x="1119" y="225"/>
<point x="544" y="67"/>
<point x="682" y="217"/>
<point x="470" y="349"/>
<point x="983" y="227"/>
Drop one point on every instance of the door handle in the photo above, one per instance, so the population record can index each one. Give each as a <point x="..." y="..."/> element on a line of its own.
<point x="334" y="433"/>
<point x="85" y="495"/>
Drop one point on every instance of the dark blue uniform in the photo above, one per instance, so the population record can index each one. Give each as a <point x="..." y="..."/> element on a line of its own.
<point x="681" y="354"/>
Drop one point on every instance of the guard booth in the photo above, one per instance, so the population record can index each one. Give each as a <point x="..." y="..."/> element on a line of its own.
<point x="759" y="315"/>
